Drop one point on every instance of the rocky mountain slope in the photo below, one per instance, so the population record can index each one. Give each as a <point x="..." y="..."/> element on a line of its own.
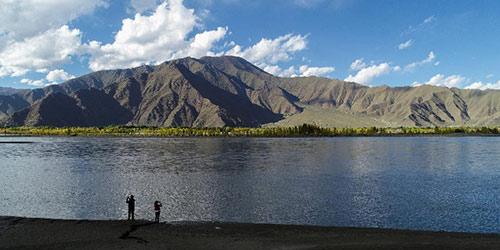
<point x="229" y="91"/>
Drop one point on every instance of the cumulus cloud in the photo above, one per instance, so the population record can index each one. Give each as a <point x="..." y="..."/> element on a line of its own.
<point x="52" y="48"/>
<point x="358" y="64"/>
<point x="405" y="45"/>
<point x="271" y="51"/>
<point x="156" y="38"/>
<point x="289" y="72"/>
<point x="58" y="75"/>
<point x="33" y="34"/>
<point x="155" y="34"/>
<point x="367" y="74"/>
<point x="152" y="39"/>
<point x="482" y="86"/>
<point x="273" y="70"/>
<point x="430" y="58"/>
<point x="53" y="77"/>
<point x="37" y="83"/>
<point x="267" y="53"/>
<point x="453" y="81"/>
<point x="304" y="70"/>
<point x="26" y="18"/>
<point x="202" y="43"/>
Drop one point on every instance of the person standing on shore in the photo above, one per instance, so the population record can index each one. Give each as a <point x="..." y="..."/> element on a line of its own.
<point x="131" y="207"/>
<point x="157" y="207"/>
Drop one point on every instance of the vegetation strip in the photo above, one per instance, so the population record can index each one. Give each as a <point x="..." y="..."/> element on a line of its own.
<point x="302" y="130"/>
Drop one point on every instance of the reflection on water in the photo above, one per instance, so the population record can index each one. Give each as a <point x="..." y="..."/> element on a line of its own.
<point x="432" y="183"/>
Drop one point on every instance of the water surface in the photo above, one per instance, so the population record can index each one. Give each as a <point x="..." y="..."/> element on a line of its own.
<point x="429" y="183"/>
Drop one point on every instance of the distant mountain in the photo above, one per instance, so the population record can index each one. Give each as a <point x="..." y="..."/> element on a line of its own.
<point x="10" y="91"/>
<point x="229" y="91"/>
<point x="85" y="107"/>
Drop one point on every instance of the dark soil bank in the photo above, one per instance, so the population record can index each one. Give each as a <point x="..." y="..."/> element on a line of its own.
<point x="26" y="233"/>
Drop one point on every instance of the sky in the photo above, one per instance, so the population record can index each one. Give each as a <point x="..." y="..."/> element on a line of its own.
<point x="396" y="43"/>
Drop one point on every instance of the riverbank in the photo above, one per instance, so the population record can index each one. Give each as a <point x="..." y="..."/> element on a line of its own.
<point x="27" y="233"/>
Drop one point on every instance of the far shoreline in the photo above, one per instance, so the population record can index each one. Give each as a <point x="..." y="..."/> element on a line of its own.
<point x="35" y="233"/>
<point x="305" y="130"/>
<point x="242" y="136"/>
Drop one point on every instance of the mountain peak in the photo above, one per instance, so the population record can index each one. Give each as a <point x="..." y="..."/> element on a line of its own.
<point x="232" y="62"/>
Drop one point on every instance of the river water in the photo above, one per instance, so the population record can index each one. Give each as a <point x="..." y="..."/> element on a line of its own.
<point x="425" y="183"/>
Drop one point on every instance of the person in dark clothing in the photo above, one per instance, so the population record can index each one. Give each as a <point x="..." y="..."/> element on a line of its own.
<point x="131" y="207"/>
<point x="157" y="207"/>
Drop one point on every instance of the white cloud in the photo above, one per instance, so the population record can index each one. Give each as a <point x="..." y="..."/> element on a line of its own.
<point x="367" y="74"/>
<point x="273" y="70"/>
<point x="271" y="51"/>
<point x="305" y="70"/>
<point x="429" y="20"/>
<point x="57" y="75"/>
<point x="150" y="37"/>
<point x="453" y="81"/>
<point x="37" y="83"/>
<point x="437" y="63"/>
<point x="290" y="72"/>
<point x="164" y="35"/>
<point x="412" y="29"/>
<point x="405" y="44"/>
<point x="202" y="43"/>
<point x="482" y="86"/>
<point x="489" y="76"/>
<point x="427" y="60"/>
<point x="153" y="39"/>
<point x="33" y="34"/>
<point x="53" y="77"/>
<point x="49" y="49"/>
<point x="22" y="19"/>
<point x="358" y="64"/>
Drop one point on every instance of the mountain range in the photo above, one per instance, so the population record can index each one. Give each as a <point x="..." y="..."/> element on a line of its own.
<point x="229" y="91"/>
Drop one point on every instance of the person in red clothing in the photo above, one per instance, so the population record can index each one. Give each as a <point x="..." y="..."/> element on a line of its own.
<point x="157" y="206"/>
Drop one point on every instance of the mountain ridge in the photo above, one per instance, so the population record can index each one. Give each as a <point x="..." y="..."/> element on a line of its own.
<point x="229" y="91"/>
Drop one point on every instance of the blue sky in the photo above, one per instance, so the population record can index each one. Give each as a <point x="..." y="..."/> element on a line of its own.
<point x="397" y="43"/>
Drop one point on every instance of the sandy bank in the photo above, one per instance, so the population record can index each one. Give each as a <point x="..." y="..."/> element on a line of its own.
<point x="26" y="233"/>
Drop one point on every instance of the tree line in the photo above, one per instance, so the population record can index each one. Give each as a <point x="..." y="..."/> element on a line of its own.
<point x="302" y="130"/>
